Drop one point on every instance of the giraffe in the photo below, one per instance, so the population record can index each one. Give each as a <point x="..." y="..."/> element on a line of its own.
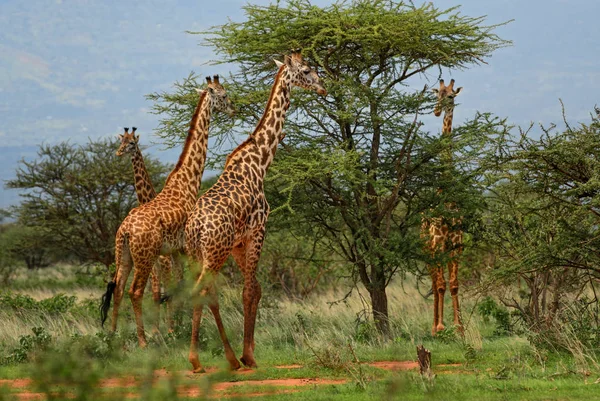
<point x="156" y="227"/>
<point x="442" y="234"/>
<point x="145" y="193"/>
<point x="230" y="217"/>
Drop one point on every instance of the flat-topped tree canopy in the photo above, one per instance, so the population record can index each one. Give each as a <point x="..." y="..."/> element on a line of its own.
<point x="356" y="167"/>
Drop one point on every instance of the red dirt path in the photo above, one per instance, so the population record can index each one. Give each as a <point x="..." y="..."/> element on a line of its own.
<point x="280" y="386"/>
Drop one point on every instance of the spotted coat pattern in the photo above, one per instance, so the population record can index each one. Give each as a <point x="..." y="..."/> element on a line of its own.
<point x="230" y="217"/>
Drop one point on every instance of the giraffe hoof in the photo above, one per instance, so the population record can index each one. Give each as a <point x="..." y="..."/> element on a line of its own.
<point x="199" y="370"/>
<point x="251" y="363"/>
<point x="234" y="365"/>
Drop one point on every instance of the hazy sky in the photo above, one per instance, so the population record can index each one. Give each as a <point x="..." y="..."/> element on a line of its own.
<point x="79" y="69"/>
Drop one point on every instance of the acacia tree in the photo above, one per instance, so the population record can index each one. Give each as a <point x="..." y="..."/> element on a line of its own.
<point x="76" y="196"/>
<point x="356" y="168"/>
<point x="544" y="224"/>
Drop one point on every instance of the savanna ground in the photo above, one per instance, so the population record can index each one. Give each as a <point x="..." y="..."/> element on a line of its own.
<point x="53" y="348"/>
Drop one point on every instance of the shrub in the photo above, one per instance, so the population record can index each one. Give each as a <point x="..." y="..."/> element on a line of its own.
<point x="39" y="341"/>
<point x="489" y="308"/>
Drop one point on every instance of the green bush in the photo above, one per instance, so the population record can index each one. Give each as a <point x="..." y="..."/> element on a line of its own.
<point x="28" y="345"/>
<point x="489" y="308"/>
<point x="60" y="303"/>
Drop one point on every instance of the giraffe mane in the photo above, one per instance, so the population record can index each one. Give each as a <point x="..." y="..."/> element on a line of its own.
<point x="262" y="119"/>
<point x="188" y="141"/>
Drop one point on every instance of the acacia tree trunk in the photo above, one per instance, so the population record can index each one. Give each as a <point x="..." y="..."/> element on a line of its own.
<point x="379" y="305"/>
<point x="379" y="301"/>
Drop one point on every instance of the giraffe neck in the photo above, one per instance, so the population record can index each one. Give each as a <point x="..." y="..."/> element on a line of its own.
<point x="446" y="132"/>
<point x="185" y="178"/>
<point x="143" y="184"/>
<point x="262" y="143"/>
<point x="447" y="124"/>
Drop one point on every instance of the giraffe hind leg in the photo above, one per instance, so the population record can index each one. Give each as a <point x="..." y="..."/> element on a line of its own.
<point x="136" y="293"/>
<point x="435" y="301"/>
<point x="453" y="280"/>
<point x="441" y="290"/>
<point x="124" y="265"/>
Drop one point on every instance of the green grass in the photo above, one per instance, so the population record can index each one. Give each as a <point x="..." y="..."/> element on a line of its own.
<point x="326" y="340"/>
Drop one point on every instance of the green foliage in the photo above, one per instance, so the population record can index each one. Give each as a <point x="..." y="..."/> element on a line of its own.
<point x="28" y="345"/>
<point x="67" y="373"/>
<point x="489" y="308"/>
<point x="356" y="170"/>
<point x="448" y="336"/>
<point x="75" y="197"/>
<point x="543" y="224"/>
<point x="60" y="303"/>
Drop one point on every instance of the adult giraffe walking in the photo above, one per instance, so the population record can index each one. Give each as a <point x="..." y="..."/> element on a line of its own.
<point x="230" y="217"/>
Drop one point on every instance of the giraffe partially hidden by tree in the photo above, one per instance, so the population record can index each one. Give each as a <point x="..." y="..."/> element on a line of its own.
<point x="442" y="234"/>
<point x="144" y="189"/>
<point x="156" y="227"/>
<point x="230" y="217"/>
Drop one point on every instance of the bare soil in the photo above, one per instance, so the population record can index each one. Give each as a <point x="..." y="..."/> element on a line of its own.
<point x="221" y="390"/>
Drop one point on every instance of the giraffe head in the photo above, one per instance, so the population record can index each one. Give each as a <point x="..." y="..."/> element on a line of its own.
<point x="219" y="101"/>
<point x="445" y="95"/>
<point x="129" y="142"/>
<point x="301" y="73"/>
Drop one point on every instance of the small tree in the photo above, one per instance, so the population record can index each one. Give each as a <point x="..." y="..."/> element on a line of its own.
<point x="75" y="197"/>
<point x="357" y="169"/>
<point x="544" y="223"/>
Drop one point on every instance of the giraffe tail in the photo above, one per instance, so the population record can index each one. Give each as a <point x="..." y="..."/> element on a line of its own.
<point x="110" y="288"/>
<point x="106" y="298"/>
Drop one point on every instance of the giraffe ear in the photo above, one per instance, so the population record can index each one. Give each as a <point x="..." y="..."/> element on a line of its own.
<point x="136" y="137"/>
<point x="457" y="91"/>
<point x="279" y="63"/>
<point x="121" y="136"/>
<point x="435" y="90"/>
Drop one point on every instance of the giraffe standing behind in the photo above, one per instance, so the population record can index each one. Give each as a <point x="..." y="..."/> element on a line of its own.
<point x="157" y="227"/>
<point x="230" y="217"/>
<point x="145" y="192"/>
<point x="442" y="234"/>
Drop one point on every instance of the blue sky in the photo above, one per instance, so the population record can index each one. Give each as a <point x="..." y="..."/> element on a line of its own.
<point x="79" y="69"/>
